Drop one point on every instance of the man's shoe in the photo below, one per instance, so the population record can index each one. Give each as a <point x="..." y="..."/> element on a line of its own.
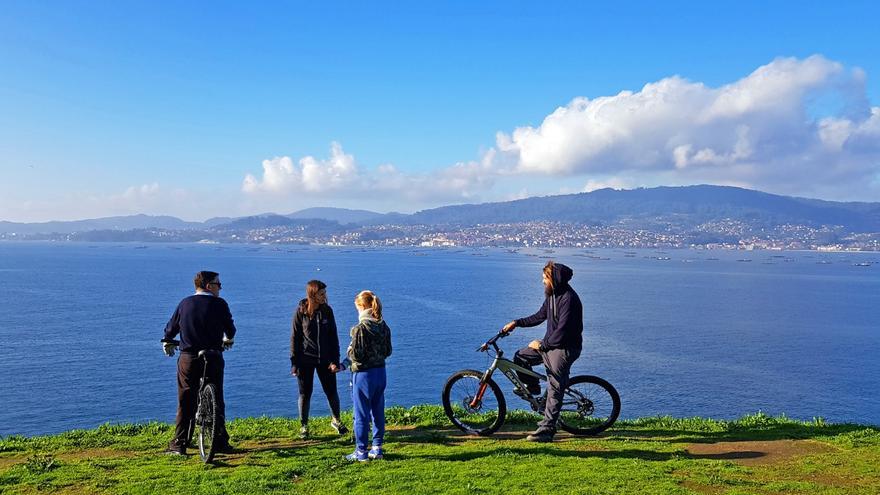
<point x="175" y="451"/>
<point x="541" y="435"/>
<point x="339" y="427"/>
<point x="357" y="456"/>
<point x="304" y="432"/>
<point x="376" y="452"/>
<point x="224" y="449"/>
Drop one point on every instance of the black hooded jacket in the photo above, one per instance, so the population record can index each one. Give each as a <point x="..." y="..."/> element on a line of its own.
<point x="563" y="313"/>
<point x="313" y="340"/>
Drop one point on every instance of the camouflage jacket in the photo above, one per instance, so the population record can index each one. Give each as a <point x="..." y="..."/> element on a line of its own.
<point x="370" y="345"/>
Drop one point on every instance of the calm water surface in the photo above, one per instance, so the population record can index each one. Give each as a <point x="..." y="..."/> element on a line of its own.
<point x="698" y="334"/>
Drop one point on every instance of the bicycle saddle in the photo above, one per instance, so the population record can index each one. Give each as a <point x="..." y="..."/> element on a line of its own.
<point x="209" y="353"/>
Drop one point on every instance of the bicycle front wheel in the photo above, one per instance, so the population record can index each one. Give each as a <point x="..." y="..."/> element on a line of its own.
<point x="474" y="406"/>
<point x="206" y="422"/>
<point x="590" y="405"/>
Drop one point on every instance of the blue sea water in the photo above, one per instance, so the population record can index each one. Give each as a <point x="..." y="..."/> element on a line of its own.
<point x="698" y="334"/>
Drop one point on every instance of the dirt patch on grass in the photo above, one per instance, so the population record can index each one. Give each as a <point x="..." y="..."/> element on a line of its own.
<point x="701" y="488"/>
<point x="6" y="462"/>
<point x="757" y="453"/>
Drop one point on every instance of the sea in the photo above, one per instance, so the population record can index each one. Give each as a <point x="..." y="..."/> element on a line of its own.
<point x="684" y="333"/>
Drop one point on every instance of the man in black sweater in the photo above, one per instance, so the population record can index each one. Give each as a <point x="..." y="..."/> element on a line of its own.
<point x="560" y="347"/>
<point x="204" y="322"/>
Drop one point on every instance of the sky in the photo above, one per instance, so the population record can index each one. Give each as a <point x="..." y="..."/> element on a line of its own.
<point x="204" y="109"/>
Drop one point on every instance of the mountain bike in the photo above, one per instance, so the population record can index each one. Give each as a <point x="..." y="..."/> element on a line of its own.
<point x="206" y="419"/>
<point x="474" y="402"/>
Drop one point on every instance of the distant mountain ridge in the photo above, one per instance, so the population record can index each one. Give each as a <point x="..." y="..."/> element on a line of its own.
<point x="130" y="222"/>
<point x="686" y="205"/>
<point x="341" y="215"/>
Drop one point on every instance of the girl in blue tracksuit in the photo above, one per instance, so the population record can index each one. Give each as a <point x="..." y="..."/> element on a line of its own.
<point x="370" y="346"/>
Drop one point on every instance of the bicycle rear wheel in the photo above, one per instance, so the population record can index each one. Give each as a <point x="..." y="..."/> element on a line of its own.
<point x="206" y="422"/>
<point x="590" y="405"/>
<point x="471" y="415"/>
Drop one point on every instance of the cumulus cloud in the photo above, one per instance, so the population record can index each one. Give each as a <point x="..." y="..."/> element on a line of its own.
<point x="793" y="126"/>
<point x="613" y="183"/>
<point x="310" y="174"/>
<point x="767" y="130"/>
<point x="340" y="173"/>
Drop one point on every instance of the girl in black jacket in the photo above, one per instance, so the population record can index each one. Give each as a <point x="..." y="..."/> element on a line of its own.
<point x="314" y="347"/>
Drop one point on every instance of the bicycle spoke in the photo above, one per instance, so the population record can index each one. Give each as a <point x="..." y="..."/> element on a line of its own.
<point x="472" y="414"/>
<point x="588" y="405"/>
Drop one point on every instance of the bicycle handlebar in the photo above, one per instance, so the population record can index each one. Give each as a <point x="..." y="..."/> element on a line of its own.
<point x="485" y="346"/>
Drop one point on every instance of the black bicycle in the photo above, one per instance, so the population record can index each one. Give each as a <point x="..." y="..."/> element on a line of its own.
<point x="474" y="402"/>
<point x="206" y="420"/>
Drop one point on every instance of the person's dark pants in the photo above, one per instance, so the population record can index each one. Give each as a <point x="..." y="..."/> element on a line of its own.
<point x="305" y="377"/>
<point x="189" y="371"/>
<point x="558" y="365"/>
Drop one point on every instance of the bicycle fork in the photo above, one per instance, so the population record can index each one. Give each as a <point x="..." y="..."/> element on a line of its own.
<point x="484" y="384"/>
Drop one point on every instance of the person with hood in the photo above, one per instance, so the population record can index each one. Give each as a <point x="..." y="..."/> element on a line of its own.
<point x="314" y="347"/>
<point x="370" y="346"/>
<point x="560" y="347"/>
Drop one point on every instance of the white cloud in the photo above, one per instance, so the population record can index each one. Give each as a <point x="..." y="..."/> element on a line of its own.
<point x="613" y="183"/>
<point x="139" y="193"/>
<point x="340" y="175"/>
<point x="149" y="199"/>
<point x="771" y="130"/>
<point x="757" y="132"/>
<point x="312" y="175"/>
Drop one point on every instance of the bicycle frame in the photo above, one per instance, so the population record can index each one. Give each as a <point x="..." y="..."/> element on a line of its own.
<point x="510" y="370"/>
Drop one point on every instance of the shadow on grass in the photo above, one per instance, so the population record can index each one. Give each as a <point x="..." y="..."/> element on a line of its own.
<point x="498" y="444"/>
<point x="775" y="432"/>
<point x="644" y="455"/>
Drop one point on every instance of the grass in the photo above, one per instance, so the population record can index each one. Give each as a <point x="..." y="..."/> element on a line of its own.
<point x="644" y="456"/>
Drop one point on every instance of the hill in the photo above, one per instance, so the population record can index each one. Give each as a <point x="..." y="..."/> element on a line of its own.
<point x="681" y="207"/>
<point x="341" y="215"/>
<point x="687" y="205"/>
<point x="756" y="454"/>
<point x="107" y="223"/>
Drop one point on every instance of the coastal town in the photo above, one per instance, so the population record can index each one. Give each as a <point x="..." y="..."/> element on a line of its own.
<point x="722" y="234"/>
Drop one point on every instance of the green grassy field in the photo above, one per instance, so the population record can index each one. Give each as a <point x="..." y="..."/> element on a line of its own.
<point x="753" y="455"/>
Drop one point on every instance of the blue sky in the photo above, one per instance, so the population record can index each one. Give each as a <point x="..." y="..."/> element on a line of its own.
<point x="207" y="109"/>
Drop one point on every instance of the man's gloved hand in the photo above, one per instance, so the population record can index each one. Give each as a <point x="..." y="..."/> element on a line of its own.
<point x="168" y="348"/>
<point x="227" y="343"/>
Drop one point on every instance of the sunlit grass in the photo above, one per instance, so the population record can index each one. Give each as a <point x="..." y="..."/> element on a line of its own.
<point x="425" y="455"/>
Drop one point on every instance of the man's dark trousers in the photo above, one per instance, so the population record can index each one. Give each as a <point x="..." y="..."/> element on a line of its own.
<point x="189" y="371"/>
<point x="558" y="364"/>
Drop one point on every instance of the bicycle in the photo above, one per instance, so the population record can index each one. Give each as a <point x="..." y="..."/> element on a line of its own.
<point x="590" y="404"/>
<point x="206" y="418"/>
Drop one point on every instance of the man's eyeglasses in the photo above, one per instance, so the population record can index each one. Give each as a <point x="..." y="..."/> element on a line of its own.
<point x="218" y="284"/>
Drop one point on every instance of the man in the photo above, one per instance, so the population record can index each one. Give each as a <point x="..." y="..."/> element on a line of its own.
<point x="560" y="347"/>
<point x="204" y="322"/>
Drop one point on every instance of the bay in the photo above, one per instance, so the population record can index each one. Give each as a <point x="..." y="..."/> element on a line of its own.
<point x="680" y="332"/>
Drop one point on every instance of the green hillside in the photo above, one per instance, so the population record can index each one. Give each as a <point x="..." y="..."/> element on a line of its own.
<point x="754" y="455"/>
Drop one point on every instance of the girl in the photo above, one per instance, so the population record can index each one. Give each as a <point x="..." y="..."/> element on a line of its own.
<point x="314" y="347"/>
<point x="370" y="346"/>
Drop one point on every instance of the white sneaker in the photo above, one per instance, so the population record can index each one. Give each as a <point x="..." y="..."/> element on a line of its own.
<point x="376" y="453"/>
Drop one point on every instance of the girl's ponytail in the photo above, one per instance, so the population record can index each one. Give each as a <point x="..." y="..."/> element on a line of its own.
<point x="366" y="299"/>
